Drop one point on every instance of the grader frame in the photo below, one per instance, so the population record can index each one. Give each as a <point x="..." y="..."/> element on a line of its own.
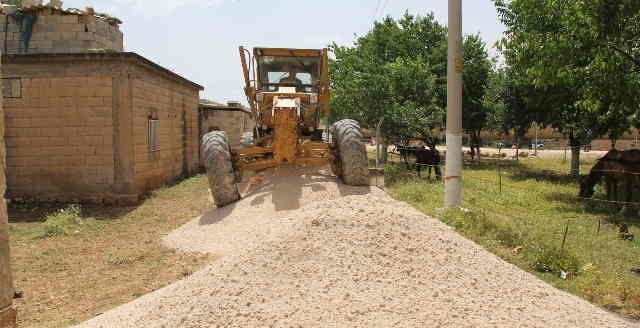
<point x="288" y="118"/>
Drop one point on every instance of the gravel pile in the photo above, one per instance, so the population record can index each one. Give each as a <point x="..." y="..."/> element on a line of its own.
<point x="348" y="257"/>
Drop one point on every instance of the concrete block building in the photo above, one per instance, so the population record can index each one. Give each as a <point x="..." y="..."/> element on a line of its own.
<point x="51" y="29"/>
<point x="99" y="127"/>
<point x="7" y="310"/>
<point x="232" y="117"/>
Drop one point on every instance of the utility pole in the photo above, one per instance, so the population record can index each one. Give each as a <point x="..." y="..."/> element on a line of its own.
<point x="453" y="169"/>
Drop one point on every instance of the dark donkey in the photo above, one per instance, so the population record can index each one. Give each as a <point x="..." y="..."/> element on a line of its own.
<point x="406" y="151"/>
<point x="430" y="158"/>
<point x="616" y="166"/>
<point x="424" y="157"/>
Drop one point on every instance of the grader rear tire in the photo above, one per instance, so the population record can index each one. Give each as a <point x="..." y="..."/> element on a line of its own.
<point x="352" y="164"/>
<point x="220" y="170"/>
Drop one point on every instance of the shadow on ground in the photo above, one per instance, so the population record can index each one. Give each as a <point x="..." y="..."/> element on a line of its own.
<point x="284" y="188"/>
<point x="38" y="212"/>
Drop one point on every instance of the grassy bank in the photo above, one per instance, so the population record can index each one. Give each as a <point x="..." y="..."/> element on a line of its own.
<point x="524" y="223"/>
<point x="75" y="262"/>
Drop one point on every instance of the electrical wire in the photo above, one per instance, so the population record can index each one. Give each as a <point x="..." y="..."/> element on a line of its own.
<point x="384" y="7"/>
<point x="375" y="13"/>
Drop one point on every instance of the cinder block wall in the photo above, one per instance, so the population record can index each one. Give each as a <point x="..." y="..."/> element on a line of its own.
<point x="175" y="106"/>
<point x="59" y="131"/>
<point x="79" y="130"/>
<point x="233" y="122"/>
<point x="54" y="32"/>
<point x="7" y="311"/>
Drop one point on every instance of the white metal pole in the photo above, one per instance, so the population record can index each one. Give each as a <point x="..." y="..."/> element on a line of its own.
<point x="453" y="169"/>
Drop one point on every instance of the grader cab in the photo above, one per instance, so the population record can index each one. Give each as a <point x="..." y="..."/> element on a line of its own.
<point x="288" y="92"/>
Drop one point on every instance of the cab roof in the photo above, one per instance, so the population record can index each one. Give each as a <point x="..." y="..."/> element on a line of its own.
<point x="287" y="52"/>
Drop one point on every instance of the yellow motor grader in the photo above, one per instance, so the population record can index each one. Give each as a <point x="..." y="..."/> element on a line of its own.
<point x="288" y="92"/>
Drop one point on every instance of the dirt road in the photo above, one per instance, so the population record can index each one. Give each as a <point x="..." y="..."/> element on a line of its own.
<point x="302" y="250"/>
<point x="542" y="153"/>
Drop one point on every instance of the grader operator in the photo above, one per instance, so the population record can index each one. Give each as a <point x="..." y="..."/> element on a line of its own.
<point x="288" y="92"/>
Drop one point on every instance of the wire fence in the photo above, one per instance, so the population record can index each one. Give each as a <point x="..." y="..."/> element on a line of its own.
<point x="525" y="215"/>
<point x="500" y="169"/>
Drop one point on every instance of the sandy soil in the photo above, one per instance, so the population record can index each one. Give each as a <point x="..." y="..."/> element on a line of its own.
<point x="305" y="251"/>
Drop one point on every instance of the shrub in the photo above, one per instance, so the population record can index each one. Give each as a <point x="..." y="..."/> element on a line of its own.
<point x="62" y="222"/>
<point x="553" y="259"/>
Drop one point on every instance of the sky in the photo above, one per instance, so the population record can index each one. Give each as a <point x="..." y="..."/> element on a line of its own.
<point x="199" y="39"/>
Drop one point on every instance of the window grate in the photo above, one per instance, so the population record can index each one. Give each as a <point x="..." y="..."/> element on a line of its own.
<point x="154" y="135"/>
<point x="12" y="87"/>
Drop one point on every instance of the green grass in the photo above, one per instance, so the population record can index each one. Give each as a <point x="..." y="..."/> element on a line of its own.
<point x="524" y="223"/>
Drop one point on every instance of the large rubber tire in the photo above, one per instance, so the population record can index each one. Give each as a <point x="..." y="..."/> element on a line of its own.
<point x="352" y="162"/>
<point x="220" y="170"/>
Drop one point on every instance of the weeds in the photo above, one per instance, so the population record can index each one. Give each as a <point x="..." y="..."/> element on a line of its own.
<point x="62" y="222"/>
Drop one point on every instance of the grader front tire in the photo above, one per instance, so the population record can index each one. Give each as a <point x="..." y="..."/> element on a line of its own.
<point x="220" y="170"/>
<point x="352" y="163"/>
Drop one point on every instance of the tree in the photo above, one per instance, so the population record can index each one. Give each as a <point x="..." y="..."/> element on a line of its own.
<point x="582" y="59"/>
<point x="475" y="77"/>
<point x="398" y="70"/>
<point x="394" y="72"/>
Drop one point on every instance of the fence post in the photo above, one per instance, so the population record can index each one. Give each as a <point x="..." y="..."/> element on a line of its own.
<point x="500" y="177"/>
<point x="564" y="239"/>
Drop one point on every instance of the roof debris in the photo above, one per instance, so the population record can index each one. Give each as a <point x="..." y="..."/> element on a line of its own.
<point x="55" y="8"/>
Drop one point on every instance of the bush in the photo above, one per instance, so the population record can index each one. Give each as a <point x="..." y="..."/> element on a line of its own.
<point x="554" y="259"/>
<point x="62" y="222"/>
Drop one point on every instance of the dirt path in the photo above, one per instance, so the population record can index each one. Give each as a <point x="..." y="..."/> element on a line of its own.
<point x="305" y="251"/>
<point x="545" y="153"/>
<point x="542" y="153"/>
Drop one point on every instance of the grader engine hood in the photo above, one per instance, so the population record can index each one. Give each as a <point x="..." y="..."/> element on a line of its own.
<point x="267" y="98"/>
<point x="286" y="102"/>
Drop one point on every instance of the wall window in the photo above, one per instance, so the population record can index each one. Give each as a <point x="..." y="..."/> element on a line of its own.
<point x="12" y="87"/>
<point x="154" y="135"/>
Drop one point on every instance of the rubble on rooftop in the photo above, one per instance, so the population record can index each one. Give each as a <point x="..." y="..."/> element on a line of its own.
<point x="55" y="8"/>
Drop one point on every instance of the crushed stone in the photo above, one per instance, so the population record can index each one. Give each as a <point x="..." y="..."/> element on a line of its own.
<point x="302" y="250"/>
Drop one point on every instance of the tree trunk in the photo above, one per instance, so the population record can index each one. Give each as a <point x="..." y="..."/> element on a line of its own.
<point x="477" y="142"/>
<point x="382" y="145"/>
<point x="517" y="148"/>
<point x="575" y="156"/>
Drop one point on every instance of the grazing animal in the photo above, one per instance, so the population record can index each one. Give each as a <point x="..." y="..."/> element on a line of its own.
<point x="405" y="152"/>
<point x="616" y="166"/>
<point x="624" y="232"/>
<point x="424" y="156"/>
<point x="430" y="157"/>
